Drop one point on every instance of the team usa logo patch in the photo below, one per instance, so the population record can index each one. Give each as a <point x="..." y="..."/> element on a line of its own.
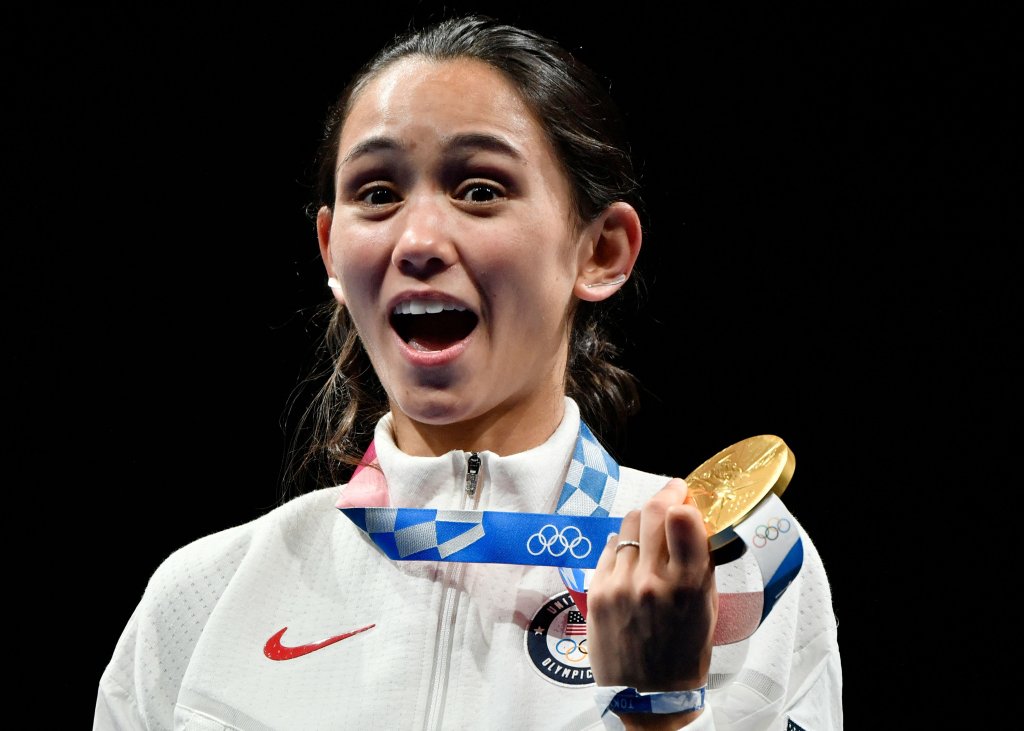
<point x="556" y="642"/>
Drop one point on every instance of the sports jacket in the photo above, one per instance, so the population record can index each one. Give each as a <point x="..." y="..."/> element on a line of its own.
<point x="369" y="642"/>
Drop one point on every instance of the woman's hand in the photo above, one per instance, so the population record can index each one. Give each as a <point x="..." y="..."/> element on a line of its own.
<point x="652" y="609"/>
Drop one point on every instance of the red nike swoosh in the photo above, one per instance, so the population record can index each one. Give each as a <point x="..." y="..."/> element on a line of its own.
<point x="276" y="651"/>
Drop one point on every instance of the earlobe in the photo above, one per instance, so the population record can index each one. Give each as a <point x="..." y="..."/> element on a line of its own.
<point x="609" y="252"/>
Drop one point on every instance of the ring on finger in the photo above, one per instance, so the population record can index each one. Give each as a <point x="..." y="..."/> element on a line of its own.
<point x="623" y="544"/>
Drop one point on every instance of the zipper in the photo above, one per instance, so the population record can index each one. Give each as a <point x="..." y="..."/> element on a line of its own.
<point x="472" y="473"/>
<point x="449" y="609"/>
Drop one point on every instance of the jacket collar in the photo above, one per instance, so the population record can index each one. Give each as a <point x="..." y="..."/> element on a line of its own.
<point x="528" y="481"/>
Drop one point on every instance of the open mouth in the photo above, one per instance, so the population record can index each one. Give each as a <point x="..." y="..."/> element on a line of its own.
<point x="432" y="324"/>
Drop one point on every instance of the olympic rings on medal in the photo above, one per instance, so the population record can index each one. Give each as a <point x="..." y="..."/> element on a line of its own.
<point x="578" y="648"/>
<point x="765" y="533"/>
<point x="557" y="542"/>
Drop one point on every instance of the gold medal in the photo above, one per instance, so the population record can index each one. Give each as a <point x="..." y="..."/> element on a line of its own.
<point x="731" y="484"/>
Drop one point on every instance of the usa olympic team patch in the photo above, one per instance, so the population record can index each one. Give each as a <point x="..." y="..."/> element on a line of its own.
<point x="556" y="642"/>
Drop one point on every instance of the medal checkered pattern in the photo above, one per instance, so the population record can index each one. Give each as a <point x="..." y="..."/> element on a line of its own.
<point x="410" y="531"/>
<point x="590" y="488"/>
<point x="592" y="480"/>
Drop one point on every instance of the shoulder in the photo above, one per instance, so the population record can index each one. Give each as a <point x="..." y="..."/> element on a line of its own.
<point x="207" y="563"/>
<point x="157" y="643"/>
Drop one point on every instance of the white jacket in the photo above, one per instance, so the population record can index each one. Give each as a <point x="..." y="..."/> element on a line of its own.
<point x="434" y="645"/>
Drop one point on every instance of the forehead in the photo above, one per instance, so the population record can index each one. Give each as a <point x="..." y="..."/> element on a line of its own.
<point x="417" y="96"/>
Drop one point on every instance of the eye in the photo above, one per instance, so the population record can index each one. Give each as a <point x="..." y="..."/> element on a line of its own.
<point x="477" y="192"/>
<point x="377" y="195"/>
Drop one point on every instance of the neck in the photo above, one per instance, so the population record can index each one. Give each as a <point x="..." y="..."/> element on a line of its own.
<point x="505" y="430"/>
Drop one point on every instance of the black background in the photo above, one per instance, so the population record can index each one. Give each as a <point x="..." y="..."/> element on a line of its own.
<point x="827" y="258"/>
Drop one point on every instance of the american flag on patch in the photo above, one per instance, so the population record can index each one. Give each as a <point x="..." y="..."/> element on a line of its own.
<point x="576" y="624"/>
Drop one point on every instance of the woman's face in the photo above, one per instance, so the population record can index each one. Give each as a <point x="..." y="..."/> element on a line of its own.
<point x="456" y="246"/>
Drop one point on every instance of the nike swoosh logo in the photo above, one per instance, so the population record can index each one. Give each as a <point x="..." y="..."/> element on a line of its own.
<point x="276" y="651"/>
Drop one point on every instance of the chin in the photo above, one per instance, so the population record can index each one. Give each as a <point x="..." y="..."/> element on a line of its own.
<point x="436" y="408"/>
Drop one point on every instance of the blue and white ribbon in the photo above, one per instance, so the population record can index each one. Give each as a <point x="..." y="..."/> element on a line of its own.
<point x="573" y="538"/>
<point x="489" y="536"/>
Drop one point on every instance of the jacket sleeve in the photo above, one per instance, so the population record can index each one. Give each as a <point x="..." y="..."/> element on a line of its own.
<point x="115" y="708"/>
<point x="140" y="685"/>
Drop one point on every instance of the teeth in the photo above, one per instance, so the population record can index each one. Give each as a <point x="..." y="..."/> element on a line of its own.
<point x="421" y="307"/>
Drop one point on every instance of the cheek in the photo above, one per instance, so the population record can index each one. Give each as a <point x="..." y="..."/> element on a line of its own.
<point x="537" y="242"/>
<point x="360" y="254"/>
<point x="533" y="267"/>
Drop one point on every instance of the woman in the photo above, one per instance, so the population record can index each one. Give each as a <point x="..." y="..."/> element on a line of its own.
<point x="477" y="203"/>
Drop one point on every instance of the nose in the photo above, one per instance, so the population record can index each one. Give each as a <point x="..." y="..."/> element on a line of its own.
<point x="425" y="246"/>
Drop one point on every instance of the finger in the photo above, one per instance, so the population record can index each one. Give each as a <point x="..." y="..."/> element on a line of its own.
<point x="627" y="556"/>
<point x="654" y="552"/>
<point x="686" y="536"/>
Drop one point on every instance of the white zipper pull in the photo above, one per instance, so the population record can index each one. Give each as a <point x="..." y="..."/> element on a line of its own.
<point x="472" y="473"/>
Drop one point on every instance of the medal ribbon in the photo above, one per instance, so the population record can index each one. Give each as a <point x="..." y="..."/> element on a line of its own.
<point x="572" y="538"/>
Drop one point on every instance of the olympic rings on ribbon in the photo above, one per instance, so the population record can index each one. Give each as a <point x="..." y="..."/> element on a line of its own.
<point x="578" y="648"/>
<point x="765" y="533"/>
<point x="557" y="542"/>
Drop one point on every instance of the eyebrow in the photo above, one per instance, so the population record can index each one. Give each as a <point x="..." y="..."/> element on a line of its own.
<point x="482" y="141"/>
<point x="461" y="142"/>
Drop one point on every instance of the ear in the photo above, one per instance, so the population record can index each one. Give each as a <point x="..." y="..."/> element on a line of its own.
<point x="608" y="251"/>
<point x="324" y="218"/>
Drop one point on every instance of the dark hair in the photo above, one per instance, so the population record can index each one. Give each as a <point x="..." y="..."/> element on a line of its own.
<point x="588" y="135"/>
